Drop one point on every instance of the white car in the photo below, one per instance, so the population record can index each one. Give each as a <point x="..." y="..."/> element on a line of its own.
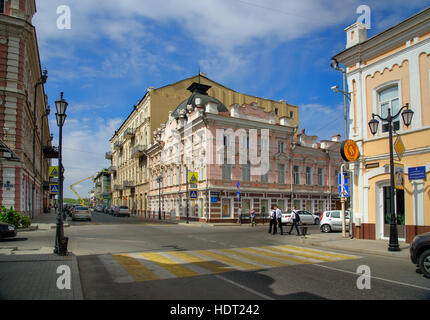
<point x="81" y="213"/>
<point x="305" y="217"/>
<point x="332" y="221"/>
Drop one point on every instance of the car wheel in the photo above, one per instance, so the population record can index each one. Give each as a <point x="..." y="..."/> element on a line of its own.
<point x="424" y="263"/>
<point x="326" y="228"/>
<point x="317" y="221"/>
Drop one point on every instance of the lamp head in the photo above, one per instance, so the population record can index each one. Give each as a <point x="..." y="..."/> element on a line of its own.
<point x="61" y="105"/>
<point x="373" y="125"/>
<point x="44" y="76"/>
<point x="407" y="116"/>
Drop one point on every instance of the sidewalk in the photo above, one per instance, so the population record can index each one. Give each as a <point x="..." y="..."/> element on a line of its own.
<point x="47" y="221"/>
<point x="336" y="241"/>
<point x="34" y="277"/>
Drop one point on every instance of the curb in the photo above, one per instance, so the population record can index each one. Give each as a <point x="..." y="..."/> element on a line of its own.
<point x="357" y="250"/>
<point x="77" y="286"/>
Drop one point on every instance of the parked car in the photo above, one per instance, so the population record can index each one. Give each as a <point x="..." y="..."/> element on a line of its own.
<point x="99" y="208"/>
<point x="121" y="211"/>
<point x="332" y="221"/>
<point x="81" y="213"/>
<point x="420" y="253"/>
<point x="305" y="217"/>
<point x="7" y="230"/>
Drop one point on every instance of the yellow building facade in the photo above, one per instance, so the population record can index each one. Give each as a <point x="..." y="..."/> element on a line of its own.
<point x="390" y="70"/>
<point x="129" y="164"/>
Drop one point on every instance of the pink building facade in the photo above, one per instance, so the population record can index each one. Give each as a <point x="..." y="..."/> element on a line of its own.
<point x="241" y="157"/>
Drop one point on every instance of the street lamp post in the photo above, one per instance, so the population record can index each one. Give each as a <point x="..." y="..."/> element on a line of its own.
<point x="61" y="118"/>
<point x="407" y="115"/>
<point x="159" y="180"/>
<point x="42" y="81"/>
<point x="46" y="114"/>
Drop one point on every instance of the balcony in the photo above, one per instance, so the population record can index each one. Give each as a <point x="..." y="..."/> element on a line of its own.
<point x="138" y="151"/>
<point x="117" y="145"/>
<point x="128" y="184"/>
<point x="112" y="169"/>
<point x="51" y="152"/>
<point x="117" y="187"/>
<point x="108" y="155"/>
<point x="128" y="133"/>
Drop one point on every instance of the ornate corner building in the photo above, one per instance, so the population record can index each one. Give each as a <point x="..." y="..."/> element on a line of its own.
<point x="23" y="177"/>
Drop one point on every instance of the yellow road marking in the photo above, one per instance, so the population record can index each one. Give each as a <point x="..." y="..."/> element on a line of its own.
<point x="170" y="265"/>
<point x="252" y="257"/>
<point x="329" y="254"/>
<point x="84" y="224"/>
<point x="278" y="256"/>
<point x="135" y="269"/>
<point x="299" y="254"/>
<point x="212" y="266"/>
<point x="228" y="260"/>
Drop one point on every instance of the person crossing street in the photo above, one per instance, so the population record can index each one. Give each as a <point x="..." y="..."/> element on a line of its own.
<point x="279" y="219"/>
<point x="296" y="219"/>
<point x="272" y="221"/>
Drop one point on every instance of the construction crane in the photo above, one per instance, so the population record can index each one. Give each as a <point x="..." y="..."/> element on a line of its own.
<point x="72" y="185"/>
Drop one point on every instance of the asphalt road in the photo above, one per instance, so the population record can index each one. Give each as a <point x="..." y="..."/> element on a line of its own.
<point x="127" y="258"/>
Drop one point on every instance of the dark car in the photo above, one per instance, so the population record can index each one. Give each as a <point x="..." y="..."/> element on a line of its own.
<point x="420" y="253"/>
<point x="7" y="230"/>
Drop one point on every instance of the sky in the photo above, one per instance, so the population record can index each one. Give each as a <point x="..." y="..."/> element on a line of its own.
<point x="114" y="50"/>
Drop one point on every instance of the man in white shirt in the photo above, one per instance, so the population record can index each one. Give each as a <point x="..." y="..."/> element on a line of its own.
<point x="279" y="219"/>
<point x="295" y="220"/>
<point x="272" y="221"/>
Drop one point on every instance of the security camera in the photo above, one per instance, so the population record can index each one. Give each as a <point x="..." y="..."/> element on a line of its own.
<point x="335" y="88"/>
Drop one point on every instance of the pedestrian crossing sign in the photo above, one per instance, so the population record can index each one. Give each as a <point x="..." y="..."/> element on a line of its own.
<point x="193" y="177"/>
<point x="53" y="188"/>
<point x="193" y="194"/>
<point x="53" y="172"/>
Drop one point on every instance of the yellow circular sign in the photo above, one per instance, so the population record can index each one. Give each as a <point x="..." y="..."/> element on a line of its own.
<point x="349" y="150"/>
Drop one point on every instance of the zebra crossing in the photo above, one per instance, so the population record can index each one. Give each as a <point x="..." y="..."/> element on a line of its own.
<point x="147" y="266"/>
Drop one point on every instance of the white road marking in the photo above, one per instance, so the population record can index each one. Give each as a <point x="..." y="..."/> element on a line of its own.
<point x="116" y="271"/>
<point x="245" y="288"/>
<point x="377" y="278"/>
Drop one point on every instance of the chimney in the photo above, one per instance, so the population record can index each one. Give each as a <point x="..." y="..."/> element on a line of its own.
<point x="212" y="107"/>
<point x="336" y="138"/>
<point x="355" y="34"/>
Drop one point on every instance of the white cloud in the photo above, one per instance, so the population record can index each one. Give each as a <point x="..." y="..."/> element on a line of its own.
<point x="85" y="142"/>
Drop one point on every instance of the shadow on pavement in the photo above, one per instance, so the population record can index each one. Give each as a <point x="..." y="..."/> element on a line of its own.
<point x="12" y="240"/>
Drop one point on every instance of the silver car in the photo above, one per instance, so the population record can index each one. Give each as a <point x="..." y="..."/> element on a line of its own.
<point x="305" y="217"/>
<point x="332" y="221"/>
<point x="121" y="211"/>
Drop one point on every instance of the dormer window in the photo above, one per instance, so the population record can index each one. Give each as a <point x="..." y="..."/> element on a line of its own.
<point x="389" y="98"/>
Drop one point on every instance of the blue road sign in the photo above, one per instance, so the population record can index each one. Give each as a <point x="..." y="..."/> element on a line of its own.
<point x="238" y="195"/>
<point x="214" y="199"/>
<point x="193" y="194"/>
<point x="238" y="184"/>
<point x="345" y="185"/>
<point x="417" y="173"/>
<point x="54" y="188"/>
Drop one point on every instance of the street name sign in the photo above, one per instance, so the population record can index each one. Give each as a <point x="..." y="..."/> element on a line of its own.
<point x="417" y="173"/>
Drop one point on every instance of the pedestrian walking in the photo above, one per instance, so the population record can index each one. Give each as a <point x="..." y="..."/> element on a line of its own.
<point x="296" y="219"/>
<point x="55" y="206"/>
<point x="239" y="214"/>
<point x="279" y="219"/>
<point x="252" y="216"/>
<point x="272" y="221"/>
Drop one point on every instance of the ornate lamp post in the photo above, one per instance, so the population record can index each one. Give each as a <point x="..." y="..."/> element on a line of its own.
<point x="407" y="115"/>
<point x="61" y="118"/>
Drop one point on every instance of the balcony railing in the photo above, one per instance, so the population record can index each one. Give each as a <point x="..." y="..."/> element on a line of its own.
<point x="112" y="169"/>
<point x="138" y="151"/>
<point x="117" y="187"/>
<point x="117" y="145"/>
<point x="128" y="184"/>
<point x="108" y="155"/>
<point x="129" y="133"/>
<point x="51" y="152"/>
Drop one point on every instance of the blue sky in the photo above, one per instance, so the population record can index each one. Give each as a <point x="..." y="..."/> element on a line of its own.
<point x="115" y="50"/>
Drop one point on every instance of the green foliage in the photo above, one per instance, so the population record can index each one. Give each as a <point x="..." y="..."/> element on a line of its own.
<point x="13" y="217"/>
<point x="25" y="221"/>
<point x="10" y="216"/>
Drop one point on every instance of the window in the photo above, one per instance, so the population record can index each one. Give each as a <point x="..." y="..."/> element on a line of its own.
<point x="201" y="171"/>
<point x="291" y="114"/>
<point x="336" y="178"/>
<point x="296" y="175"/>
<point x="389" y="99"/>
<point x="276" y="111"/>
<point x="178" y="176"/>
<point x="171" y="177"/>
<point x="308" y="175"/>
<point x="280" y="147"/>
<point x="246" y="172"/>
<point x="320" y="176"/>
<point x="226" y="171"/>
<point x="281" y="173"/>
<point x="1" y="6"/>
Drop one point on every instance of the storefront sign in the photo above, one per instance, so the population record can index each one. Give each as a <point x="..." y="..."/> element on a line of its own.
<point x="349" y="150"/>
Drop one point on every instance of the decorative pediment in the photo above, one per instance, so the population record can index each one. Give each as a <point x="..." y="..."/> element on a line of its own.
<point x="281" y="157"/>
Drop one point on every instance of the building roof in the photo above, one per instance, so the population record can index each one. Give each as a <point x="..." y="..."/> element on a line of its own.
<point x="198" y="91"/>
